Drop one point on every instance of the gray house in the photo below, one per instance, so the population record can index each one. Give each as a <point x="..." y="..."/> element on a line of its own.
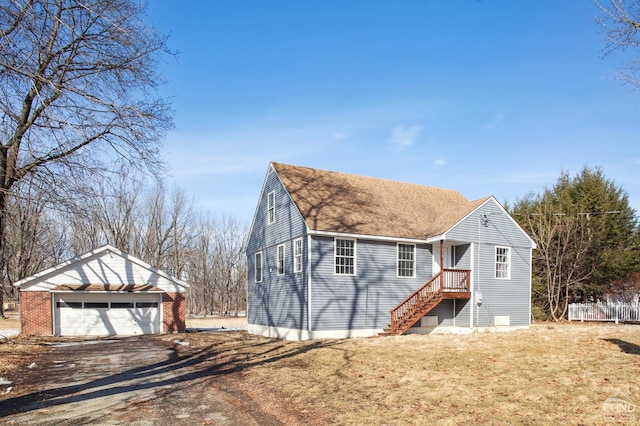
<point x="334" y="255"/>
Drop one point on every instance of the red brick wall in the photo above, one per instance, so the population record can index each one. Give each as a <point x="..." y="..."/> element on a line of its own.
<point x="173" y="312"/>
<point x="35" y="313"/>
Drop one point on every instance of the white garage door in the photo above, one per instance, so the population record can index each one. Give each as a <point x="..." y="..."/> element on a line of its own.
<point x="107" y="314"/>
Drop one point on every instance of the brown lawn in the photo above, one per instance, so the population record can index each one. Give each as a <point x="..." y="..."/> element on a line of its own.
<point x="549" y="374"/>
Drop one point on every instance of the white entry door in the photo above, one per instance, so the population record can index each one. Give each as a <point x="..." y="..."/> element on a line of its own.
<point x="448" y="257"/>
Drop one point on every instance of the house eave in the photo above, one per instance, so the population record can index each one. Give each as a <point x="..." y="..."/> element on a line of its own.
<point x="316" y="233"/>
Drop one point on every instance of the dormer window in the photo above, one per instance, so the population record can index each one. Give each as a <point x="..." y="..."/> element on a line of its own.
<point x="271" y="207"/>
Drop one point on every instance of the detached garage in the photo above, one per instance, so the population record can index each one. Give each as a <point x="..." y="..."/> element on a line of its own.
<point x="105" y="292"/>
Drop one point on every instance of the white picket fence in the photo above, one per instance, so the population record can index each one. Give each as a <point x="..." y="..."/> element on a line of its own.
<point x="604" y="312"/>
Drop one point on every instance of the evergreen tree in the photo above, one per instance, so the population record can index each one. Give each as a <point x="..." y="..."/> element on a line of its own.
<point x="586" y="238"/>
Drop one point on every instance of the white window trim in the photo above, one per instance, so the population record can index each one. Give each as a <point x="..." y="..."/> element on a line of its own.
<point x="271" y="207"/>
<point x="255" y="267"/>
<point x="398" y="261"/>
<point x="284" y="264"/>
<point x="495" y="263"/>
<point x="297" y="257"/>
<point x="355" y="256"/>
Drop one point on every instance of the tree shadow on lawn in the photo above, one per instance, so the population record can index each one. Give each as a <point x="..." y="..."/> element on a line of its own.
<point x="626" y="347"/>
<point x="213" y="360"/>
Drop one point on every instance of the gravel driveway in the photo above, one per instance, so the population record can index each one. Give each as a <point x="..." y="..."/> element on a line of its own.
<point x="148" y="380"/>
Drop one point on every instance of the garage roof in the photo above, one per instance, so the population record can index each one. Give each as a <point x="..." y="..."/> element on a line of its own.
<point x="108" y="268"/>
<point x="109" y="288"/>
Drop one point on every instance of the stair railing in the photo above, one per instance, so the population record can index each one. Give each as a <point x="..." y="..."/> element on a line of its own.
<point x="412" y="303"/>
<point x="447" y="280"/>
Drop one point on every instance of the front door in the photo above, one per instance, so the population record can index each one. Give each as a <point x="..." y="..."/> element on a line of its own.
<point x="448" y="256"/>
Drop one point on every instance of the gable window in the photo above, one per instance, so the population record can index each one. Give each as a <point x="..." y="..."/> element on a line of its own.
<point x="406" y="260"/>
<point x="271" y="207"/>
<point x="280" y="259"/>
<point x="297" y="255"/>
<point x="345" y="257"/>
<point x="258" y="266"/>
<point x="503" y="262"/>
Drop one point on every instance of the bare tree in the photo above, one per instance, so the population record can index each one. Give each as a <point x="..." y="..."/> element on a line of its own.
<point x="217" y="267"/>
<point x="77" y="84"/>
<point x="165" y="229"/>
<point x="34" y="237"/>
<point x="560" y="259"/>
<point x="201" y="296"/>
<point x="620" y="21"/>
<point x="229" y="263"/>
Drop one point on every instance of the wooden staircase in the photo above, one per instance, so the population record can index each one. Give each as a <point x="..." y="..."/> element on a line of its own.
<point x="447" y="284"/>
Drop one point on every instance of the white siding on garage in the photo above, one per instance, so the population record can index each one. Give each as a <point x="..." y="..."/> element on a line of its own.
<point x="105" y="266"/>
<point x="91" y="314"/>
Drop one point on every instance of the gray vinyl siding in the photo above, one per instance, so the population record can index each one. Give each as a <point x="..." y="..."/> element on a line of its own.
<point x="463" y="256"/>
<point x="500" y="297"/>
<point x="450" y="313"/>
<point x="288" y="223"/>
<point x="279" y="300"/>
<point x="444" y="312"/>
<point x="504" y="296"/>
<point x="500" y="229"/>
<point x="361" y="301"/>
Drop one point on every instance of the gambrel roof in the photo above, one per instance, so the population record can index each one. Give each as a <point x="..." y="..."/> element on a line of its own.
<point x="351" y="204"/>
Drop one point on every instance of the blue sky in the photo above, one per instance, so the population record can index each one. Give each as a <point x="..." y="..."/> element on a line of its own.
<point x="489" y="97"/>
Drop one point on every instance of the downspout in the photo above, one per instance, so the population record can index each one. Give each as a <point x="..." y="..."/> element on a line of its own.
<point x="472" y="284"/>
<point x="477" y="286"/>
<point x="309" y="316"/>
<point x="53" y="313"/>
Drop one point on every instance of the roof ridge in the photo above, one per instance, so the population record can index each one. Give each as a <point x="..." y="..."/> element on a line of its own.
<point x="368" y="177"/>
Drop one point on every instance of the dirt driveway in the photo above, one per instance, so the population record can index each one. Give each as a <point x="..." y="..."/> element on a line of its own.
<point x="150" y="380"/>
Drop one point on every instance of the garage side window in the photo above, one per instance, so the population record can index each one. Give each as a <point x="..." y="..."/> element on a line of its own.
<point x="258" y="267"/>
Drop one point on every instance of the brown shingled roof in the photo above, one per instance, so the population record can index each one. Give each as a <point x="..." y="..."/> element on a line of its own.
<point x="345" y="203"/>
<point x="108" y="288"/>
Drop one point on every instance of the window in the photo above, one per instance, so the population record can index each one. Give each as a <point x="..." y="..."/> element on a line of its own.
<point x="406" y="260"/>
<point x="72" y="305"/>
<point x="96" y="305"/>
<point x="258" y="265"/>
<point x="345" y="257"/>
<point x="281" y="259"/>
<point x="297" y="255"/>
<point x="121" y="305"/>
<point x="503" y="262"/>
<point x="271" y="207"/>
<point x="146" y="304"/>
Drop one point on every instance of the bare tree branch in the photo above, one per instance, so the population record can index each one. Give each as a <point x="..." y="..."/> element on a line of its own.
<point x="620" y="22"/>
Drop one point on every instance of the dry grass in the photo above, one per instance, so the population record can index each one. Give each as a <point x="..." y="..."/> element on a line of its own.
<point x="550" y="374"/>
<point x="15" y="358"/>
<point x="11" y="322"/>
<point x="217" y="322"/>
<point x="557" y="374"/>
